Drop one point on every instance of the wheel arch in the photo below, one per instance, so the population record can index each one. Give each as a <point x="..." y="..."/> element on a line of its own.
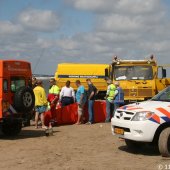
<point x="159" y="130"/>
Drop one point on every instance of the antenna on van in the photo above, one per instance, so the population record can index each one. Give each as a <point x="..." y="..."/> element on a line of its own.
<point x="38" y="60"/>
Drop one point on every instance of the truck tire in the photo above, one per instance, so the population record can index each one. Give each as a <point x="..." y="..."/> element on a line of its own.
<point x="164" y="142"/>
<point x="11" y="128"/>
<point x="133" y="145"/>
<point x="24" y="99"/>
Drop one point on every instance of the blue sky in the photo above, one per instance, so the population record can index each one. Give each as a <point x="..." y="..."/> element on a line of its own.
<point x="48" y="32"/>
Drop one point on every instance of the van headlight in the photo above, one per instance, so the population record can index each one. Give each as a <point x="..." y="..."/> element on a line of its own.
<point x="141" y="116"/>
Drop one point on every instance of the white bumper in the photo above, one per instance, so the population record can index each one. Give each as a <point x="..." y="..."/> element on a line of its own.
<point x="142" y="131"/>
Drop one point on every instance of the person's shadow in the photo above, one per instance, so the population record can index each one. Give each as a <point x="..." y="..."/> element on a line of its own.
<point x="26" y="133"/>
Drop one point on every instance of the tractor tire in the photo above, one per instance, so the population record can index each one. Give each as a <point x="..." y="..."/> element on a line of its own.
<point x="24" y="99"/>
<point x="164" y="142"/>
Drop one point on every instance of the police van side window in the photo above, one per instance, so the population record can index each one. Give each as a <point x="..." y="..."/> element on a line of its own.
<point x="5" y="86"/>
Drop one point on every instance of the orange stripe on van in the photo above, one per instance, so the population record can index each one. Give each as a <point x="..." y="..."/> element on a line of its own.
<point x="156" y="118"/>
<point x="165" y="112"/>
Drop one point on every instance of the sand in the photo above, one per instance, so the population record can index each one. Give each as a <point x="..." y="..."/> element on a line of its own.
<point x="75" y="147"/>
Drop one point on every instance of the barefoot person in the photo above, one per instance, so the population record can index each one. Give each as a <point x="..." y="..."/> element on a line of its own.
<point x="81" y="100"/>
<point x="40" y="103"/>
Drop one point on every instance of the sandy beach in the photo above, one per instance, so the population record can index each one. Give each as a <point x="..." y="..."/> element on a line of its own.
<point x="74" y="147"/>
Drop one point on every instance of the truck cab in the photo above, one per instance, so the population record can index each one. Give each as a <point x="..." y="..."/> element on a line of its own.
<point x="140" y="79"/>
<point x="16" y="95"/>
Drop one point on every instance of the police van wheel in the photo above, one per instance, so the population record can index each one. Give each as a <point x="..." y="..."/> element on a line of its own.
<point x="164" y="142"/>
<point x="133" y="145"/>
<point x="24" y="99"/>
<point x="11" y="129"/>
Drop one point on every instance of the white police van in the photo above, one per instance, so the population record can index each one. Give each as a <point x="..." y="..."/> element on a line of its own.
<point x="147" y="122"/>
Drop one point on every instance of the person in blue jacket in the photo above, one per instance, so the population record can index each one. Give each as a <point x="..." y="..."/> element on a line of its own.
<point x="119" y="96"/>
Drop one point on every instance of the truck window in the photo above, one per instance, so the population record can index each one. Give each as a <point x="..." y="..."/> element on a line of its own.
<point x="17" y="82"/>
<point x="133" y="73"/>
<point x="5" y="86"/>
<point x="164" y="95"/>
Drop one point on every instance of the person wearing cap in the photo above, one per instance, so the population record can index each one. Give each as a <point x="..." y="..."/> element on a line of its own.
<point x="40" y="103"/>
<point x="119" y="96"/>
<point x="110" y="100"/>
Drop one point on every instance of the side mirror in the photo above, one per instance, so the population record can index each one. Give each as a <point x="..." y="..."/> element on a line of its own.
<point x="106" y="73"/>
<point x="163" y="73"/>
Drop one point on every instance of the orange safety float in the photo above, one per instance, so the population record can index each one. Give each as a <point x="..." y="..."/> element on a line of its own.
<point x="68" y="114"/>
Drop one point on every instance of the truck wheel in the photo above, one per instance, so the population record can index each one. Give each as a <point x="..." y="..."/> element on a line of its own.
<point x="133" y="145"/>
<point x="24" y="99"/>
<point x="11" y="129"/>
<point x="164" y="142"/>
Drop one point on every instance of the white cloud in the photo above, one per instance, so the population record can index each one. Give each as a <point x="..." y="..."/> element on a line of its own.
<point x="9" y="28"/>
<point x="91" y="5"/>
<point x="130" y="29"/>
<point x="39" y="20"/>
<point x="67" y="44"/>
<point x="117" y="6"/>
<point x="138" y="6"/>
<point x="119" y="23"/>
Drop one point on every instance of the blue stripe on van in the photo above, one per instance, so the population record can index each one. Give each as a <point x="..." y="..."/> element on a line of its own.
<point x="166" y="119"/>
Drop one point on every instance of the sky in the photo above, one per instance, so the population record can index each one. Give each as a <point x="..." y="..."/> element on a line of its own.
<point x="48" y="32"/>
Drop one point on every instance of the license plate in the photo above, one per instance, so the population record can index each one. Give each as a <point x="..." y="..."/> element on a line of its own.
<point x="119" y="131"/>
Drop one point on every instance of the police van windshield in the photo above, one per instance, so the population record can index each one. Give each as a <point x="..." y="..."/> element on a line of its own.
<point x="164" y="95"/>
<point x="133" y="73"/>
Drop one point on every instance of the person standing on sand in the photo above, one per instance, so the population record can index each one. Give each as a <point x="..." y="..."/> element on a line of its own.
<point x="119" y="96"/>
<point x="92" y="91"/>
<point x="110" y="100"/>
<point x="40" y="103"/>
<point x="53" y="95"/>
<point x="67" y="95"/>
<point x="81" y="100"/>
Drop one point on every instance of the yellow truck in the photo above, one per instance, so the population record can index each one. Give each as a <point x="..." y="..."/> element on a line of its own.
<point x="140" y="79"/>
<point x="77" y="71"/>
